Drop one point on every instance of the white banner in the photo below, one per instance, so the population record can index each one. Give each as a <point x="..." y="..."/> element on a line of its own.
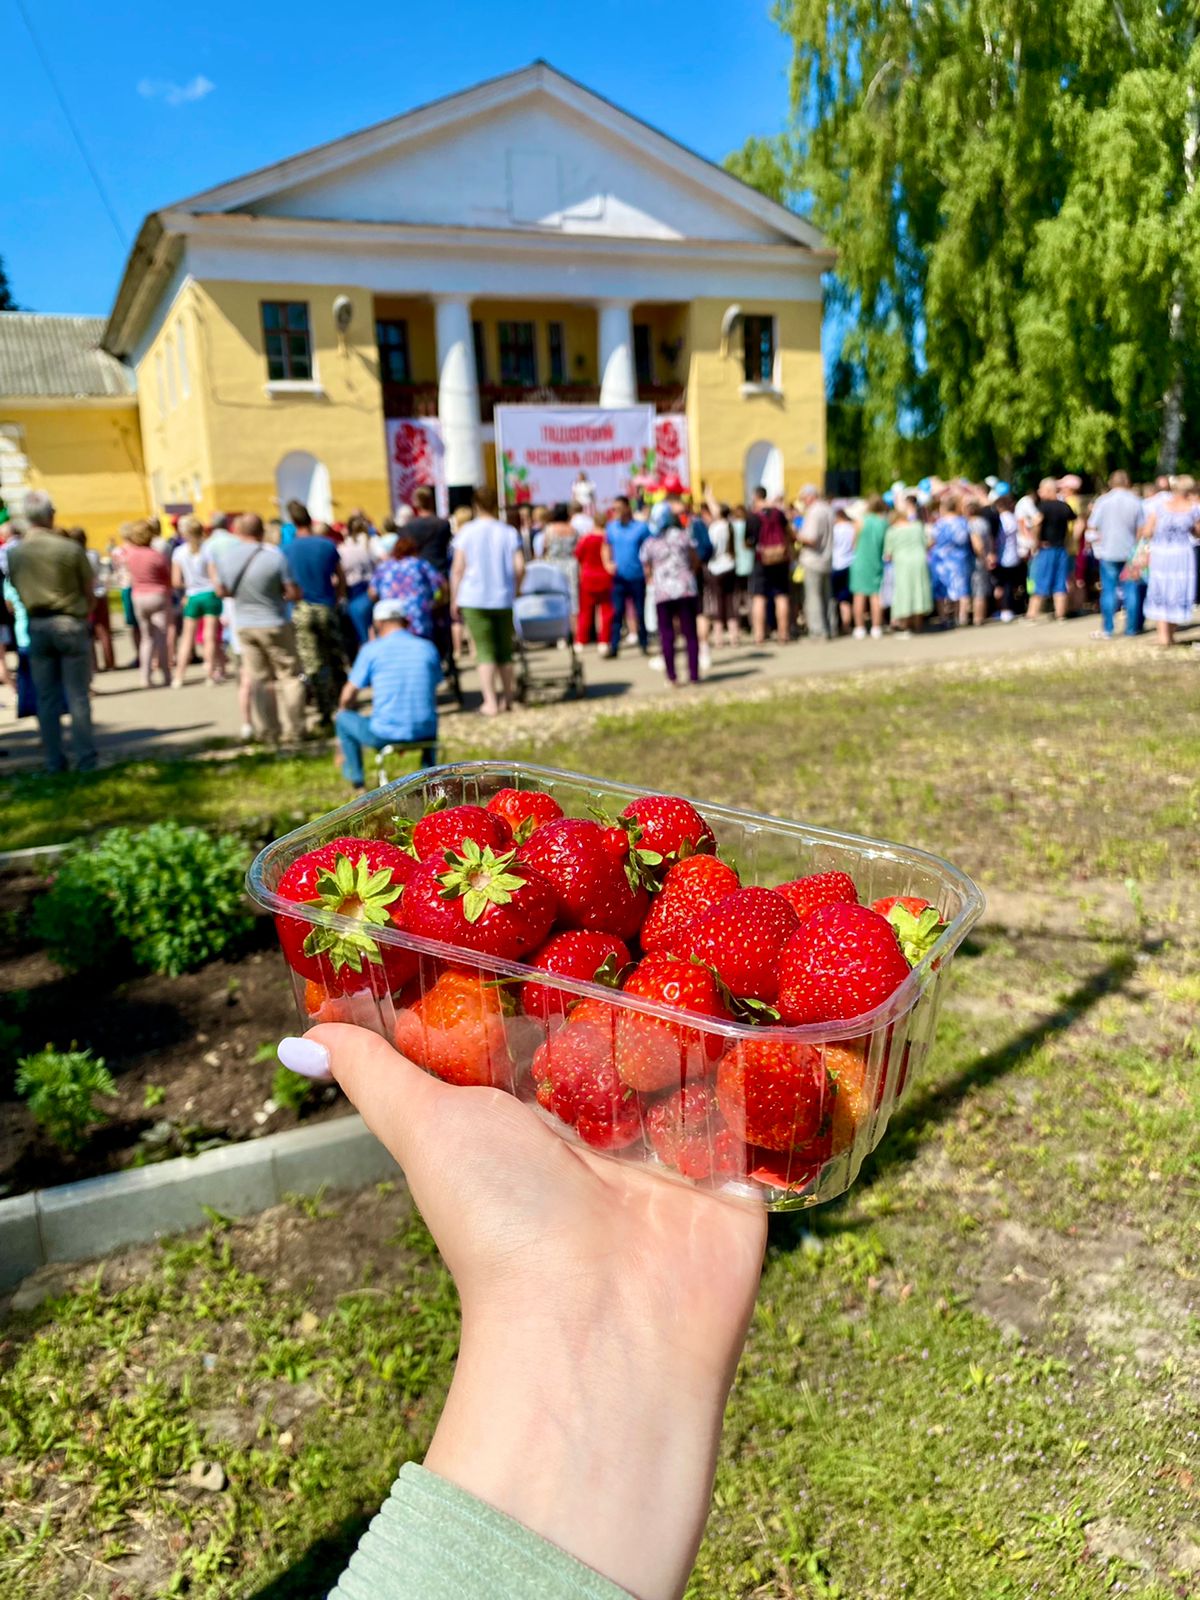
<point x="541" y="450"/>
<point x="671" y="448"/>
<point x="415" y="457"/>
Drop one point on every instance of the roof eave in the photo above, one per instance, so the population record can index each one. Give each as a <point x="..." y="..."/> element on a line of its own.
<point x="149" y="260"/>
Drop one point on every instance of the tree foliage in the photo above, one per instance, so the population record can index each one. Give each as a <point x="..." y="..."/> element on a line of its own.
<point x="1011" y="187"/>
<point x="7" y="303"/>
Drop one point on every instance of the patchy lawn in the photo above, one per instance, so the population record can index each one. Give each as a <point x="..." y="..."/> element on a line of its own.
<point x="976" y="1377"/>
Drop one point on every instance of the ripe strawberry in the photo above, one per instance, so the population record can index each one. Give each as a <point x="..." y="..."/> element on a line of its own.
<point x="740" y="939"/>
<point x="588" y="957"/>
<point x="597" y="881"/>
<point x="439" y="831"/>
<point x="455" y="1029"/>
<point x="670" y="827"/>
<point x="691" y="887"/>
<point x="818" y="889"/>
<point x="361" y="879"/>
<point x="774" y="1094"/>
<point x="844" y="960"/>
<point x="689" y="1133"/>
<point x="848" y="1070"/>
<point x="480" y="901"/>
<point x="794" y="1170"/>
<point x="911" y="903"/>
<point x="360" y="1008"/>
<point x="576" y="1079"/>
<point x="655" y="1054"/>
<point x="524" y="810"/>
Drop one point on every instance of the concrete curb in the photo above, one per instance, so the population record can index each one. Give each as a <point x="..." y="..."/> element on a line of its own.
<point x="76" y="1221"/>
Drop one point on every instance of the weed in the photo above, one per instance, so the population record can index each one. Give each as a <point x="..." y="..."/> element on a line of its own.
<point x="60" y="1088"/>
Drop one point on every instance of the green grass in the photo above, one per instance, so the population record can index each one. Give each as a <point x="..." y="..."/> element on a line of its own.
<point x="977" y="1377"/>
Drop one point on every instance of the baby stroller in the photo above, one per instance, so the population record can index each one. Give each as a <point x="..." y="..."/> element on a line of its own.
<point x="547" y="658"/>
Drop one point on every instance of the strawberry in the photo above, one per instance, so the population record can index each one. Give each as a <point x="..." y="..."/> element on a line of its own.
<point x="585" y="957"/>
<point x="844" y="960"/>
<point x="670" y="827"/>
<point x="918" y="924"/>
<point x="361" y="1008"/>
<point x="596" y="876"/>
<point x="524" y="810"/>
<point x="774" y="1094"/>
<point x="740" y="939"/>
<point x="689" y="1133"/>
<point x="818" y="889"/>
<point x="576" y="1079"/>
<point x="691" y="887"/>
<point x="361" y="879"/>
<point x="480" y="901"/>
<point x="794" y="1170"/>
<point x="455" y="1029"/>
<point x="848" y="1069"/>
<point x="655" y="1054"/>
<point x="448" y="830"/>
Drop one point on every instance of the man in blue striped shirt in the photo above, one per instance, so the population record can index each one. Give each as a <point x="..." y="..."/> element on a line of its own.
<point x="402" y="673"/>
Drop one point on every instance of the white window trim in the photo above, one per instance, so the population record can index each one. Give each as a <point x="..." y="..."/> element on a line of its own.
<point x="279" y="386"/>
<point x="745" y="389"/>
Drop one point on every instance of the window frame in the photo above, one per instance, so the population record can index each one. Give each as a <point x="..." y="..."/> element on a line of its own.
<point x="525" y="347"/>
<point x="401" y="346"/>
<point x="758" y="322"/>
<point x="479" y="348"/>
<point x="286" y="333"/>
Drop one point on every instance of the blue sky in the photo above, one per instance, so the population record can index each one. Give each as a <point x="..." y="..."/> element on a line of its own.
<point x="170" y="99"/>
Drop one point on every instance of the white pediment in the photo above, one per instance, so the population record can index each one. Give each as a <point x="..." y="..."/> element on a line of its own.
<point x="533" y="151"/>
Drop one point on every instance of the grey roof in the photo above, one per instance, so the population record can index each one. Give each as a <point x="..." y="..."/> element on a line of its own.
<point x="47" y="356"/>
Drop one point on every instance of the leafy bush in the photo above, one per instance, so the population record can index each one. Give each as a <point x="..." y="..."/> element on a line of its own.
<point x="60" y="1087"/>
<point x="171" y="895"/>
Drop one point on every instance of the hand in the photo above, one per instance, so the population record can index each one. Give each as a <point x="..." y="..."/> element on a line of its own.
<point x="604" y="1310"/>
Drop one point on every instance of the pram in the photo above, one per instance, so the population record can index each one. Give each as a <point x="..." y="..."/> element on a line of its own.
<point x="547" y="658"/>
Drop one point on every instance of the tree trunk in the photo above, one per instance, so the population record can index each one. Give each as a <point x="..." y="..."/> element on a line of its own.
<point x="1172" y="425"/>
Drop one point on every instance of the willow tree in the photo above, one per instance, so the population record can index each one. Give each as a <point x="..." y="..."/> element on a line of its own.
<point x="1010" y="289"/>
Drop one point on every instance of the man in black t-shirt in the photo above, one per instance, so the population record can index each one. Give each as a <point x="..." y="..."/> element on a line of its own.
<point x="431" y="533"/>
<point x="1052" y="563"/>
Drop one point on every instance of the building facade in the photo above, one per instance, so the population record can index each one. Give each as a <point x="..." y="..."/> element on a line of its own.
<point x="69" y="423"/>
<point x="524" y="242"/>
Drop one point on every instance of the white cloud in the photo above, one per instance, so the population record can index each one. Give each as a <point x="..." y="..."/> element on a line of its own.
<point x="176" y="94"/>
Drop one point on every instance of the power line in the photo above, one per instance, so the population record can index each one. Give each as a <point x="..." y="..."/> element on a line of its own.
<point x="71" y="124"/>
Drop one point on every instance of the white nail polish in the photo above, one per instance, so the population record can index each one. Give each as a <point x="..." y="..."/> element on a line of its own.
<point x="305" y="1056"/>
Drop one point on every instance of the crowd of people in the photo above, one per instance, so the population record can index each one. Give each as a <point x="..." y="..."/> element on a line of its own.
<point x="315" y="614"/>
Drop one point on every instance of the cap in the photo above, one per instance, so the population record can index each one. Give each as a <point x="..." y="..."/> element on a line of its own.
<point x="391" y="611"/>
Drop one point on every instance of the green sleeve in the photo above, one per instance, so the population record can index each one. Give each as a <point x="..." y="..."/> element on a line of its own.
<point x="433" y="1541"/>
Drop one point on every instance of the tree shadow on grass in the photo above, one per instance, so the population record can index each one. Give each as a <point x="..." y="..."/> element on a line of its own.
<point x="319" y="1568"/>
<point x="935" y="1103"/>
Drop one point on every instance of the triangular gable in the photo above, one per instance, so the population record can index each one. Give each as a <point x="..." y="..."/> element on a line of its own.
<point x="532" y="150"/>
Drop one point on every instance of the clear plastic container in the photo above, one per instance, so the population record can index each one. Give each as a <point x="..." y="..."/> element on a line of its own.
<point x="865" y="1067"/>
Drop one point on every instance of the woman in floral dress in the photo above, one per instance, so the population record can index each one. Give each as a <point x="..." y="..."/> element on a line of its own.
<point x="1170" y="529"/>
<point x="951" y="561"/>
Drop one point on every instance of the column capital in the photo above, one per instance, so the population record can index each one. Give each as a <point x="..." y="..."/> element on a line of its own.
<point x="610" y="304"/>
<point x="452" y="299"/>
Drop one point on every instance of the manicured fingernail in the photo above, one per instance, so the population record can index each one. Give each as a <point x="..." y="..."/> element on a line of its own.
<point x="305" y="1056"/>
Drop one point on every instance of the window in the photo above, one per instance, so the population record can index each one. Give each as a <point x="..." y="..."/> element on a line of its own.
<point x="287" y="342"/>
<point x="392" y="339"/>
<point x="185" y="386"/>
<point x="518" y="358"/>
<point x="481" y="365"/>
<point x="760" y="349"/>
<point x="160" y="375"/>
<point x="643" y="353"/>
<point x="558" y="354"/>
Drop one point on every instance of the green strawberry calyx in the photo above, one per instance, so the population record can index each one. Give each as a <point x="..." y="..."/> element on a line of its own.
<point x="404" y="825"/>
<point x="354" y="891"/>
<point x="742" y="1008"/>
<point x="917" y="935"/>
<point x="480" y="878"/>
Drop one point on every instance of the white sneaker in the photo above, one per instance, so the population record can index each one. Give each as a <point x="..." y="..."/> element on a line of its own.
<point x="860" y="633"/>
<point x="1007" y="616"/>
<point x="877" y="633"/>
<point x="602" y="651"/>
<point x="656" y="664"/>
<point x="705" y="658"/>
<point x="247" y="732"/>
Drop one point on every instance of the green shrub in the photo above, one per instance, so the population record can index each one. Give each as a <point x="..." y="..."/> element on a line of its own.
<point x="170" y="895"/>
<point x="60" y="1087"/>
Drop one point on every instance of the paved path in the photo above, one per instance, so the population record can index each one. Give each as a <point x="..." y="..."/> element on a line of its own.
<point x="132" y="721"/>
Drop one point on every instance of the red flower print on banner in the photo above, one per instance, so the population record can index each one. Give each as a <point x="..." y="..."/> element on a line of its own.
<point x="412" y="461"/>
<point x="668" y="444"/>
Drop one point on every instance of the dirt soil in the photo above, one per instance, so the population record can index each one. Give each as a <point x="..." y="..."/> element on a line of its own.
<point x="193" y="1037"/>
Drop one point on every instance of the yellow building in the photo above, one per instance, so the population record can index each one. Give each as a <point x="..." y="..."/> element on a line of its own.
<point x="522" y="242"/>
<point x="69" y="423"/>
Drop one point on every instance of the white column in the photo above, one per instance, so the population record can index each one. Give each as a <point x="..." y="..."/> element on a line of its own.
<point x="458" y="392"/>
<point x="618" y="376"/>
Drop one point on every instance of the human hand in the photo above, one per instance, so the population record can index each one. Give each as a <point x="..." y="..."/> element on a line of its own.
<point x="604" y="1310"/>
